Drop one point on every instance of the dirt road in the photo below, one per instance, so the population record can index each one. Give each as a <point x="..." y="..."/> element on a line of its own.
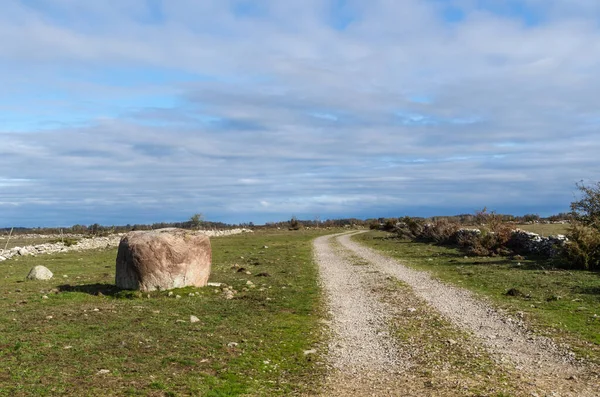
<point x="400" y="332"/>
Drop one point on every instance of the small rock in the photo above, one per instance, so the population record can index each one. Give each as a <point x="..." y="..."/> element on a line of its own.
<point x="191" y="294"/>
<point x="249" y="282"/>
<point x="95" y="309"/>
<point x="265" y="247"/>
<point x="228" y="294"/>
<point x="177" y="296"/>
<point x="232" y="344"/>
<point x="451" y="342"/>
<point x="45" y="297"/>
<point x="194" y="319"/>
<point x="170" y="293"/>
<point x="411" y="310"/>
<point x="311" y="351"/>
<point x="67" y="347"/>
<point x="214" y="284"/>
<point x="248" y="272"/>
<point x="103" y="372"/>
<point x="49" y="317"/>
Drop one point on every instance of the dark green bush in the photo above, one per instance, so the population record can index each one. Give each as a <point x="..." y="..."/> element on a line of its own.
<point x="583" y="249"/>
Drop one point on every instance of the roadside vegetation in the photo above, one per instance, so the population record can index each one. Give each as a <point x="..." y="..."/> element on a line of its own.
<point x="76" y="334"/>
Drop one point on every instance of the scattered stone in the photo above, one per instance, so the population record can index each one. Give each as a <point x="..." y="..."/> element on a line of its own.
<point x="214" y="284"/>
<point x="170" y="293"/>
<point x="229" y="294"/>
<point x="177" y="296"/>
<point x="411" y="310"/>
<point x="67" y="347"/>
<point x="45" y="297"/>
<point x="232" y="344"/>
<point x="265" y="247"/>
<point x="249" y="282"/>
<point x="39" y="273"/>
<point x="49" y="317"/>
<point x="263" y="274"/>
<point x="191" y="295"/>
<point x="451" y="342"/>
<point x="103" y="372"/>
<point x="194" y="319"/>
<point x="248" y="272"/>
<point x="311" y="351"/>
<point x="163" y="259"/>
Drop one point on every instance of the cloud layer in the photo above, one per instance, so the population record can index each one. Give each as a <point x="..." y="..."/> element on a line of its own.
<point x="143" y="111"/>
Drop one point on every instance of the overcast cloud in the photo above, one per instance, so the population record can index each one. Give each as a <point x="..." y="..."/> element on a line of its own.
<point x="130" y="111"/>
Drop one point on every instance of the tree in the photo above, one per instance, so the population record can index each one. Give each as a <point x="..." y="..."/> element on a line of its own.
<point x="587" y="209"/>
<point x="196" y="221"/>
<point x="294" y="223"/>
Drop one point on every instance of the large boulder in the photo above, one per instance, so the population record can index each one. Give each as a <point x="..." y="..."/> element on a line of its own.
<point x="163" y="259"/>
<point x="39" y="273"/>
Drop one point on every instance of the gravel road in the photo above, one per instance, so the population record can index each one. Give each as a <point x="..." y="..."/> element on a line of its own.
<point x="365" y="360"/>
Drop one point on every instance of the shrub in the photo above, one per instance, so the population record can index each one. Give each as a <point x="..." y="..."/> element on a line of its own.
<point x="442" y="231"/>
<point x="390" y="224"/>
<point x="409" y="228"/>
<point x="294" y="223"/>
<point x="493" y="236"/>
<point x="68" y="241"/>
<point x="374" y="225"/>
<point x="583" y="248"/>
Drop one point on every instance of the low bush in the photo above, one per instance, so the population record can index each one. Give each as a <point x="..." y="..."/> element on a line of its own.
<point x="583" y="249"/>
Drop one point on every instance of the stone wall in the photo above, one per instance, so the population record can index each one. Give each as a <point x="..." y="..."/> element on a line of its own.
<point x="86" y="243"/>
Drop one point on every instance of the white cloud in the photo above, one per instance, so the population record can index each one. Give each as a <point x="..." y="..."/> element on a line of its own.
<point x="282" y="113"/>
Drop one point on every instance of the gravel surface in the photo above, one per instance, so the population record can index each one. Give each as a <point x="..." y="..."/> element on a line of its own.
<point x="365" y="360"/>
<point x="358" y="319"/>
<point x="362" y="355"/>
<point x="505" y="336"/>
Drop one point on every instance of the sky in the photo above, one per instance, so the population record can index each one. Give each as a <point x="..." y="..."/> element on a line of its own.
<point x="143" y="111"/>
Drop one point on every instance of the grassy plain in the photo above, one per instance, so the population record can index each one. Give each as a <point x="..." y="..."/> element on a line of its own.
<point x="561" y="303"/>
<point x="254" y="344"/>
<point x="551" y="229"/>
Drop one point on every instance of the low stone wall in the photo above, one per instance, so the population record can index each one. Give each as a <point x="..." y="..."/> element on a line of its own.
<point x="91" y="243"/>
<point x="525" y="242"/>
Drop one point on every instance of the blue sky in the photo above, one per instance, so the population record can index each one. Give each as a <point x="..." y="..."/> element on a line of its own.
<point x="142" y="111"/>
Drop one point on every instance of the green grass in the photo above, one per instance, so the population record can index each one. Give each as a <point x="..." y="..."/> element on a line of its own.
<point x="148" y="343"/>
<point x="546" y="229"/>
<point x="17" y="241"/>
<point x="563" y="304"/>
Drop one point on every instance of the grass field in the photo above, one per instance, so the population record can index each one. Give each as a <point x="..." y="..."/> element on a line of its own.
<point x="563" y="304"/>
<point x="254" y="344"/>
<point x="17" y="241"/>
<point x="546" y="229"/>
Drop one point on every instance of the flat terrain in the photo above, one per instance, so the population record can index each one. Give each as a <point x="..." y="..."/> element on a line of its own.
<point x="551" y="229"/>
<point x="88" y="338"/>
<point x="310" y="314"/>
<point x="472" y="338"/>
